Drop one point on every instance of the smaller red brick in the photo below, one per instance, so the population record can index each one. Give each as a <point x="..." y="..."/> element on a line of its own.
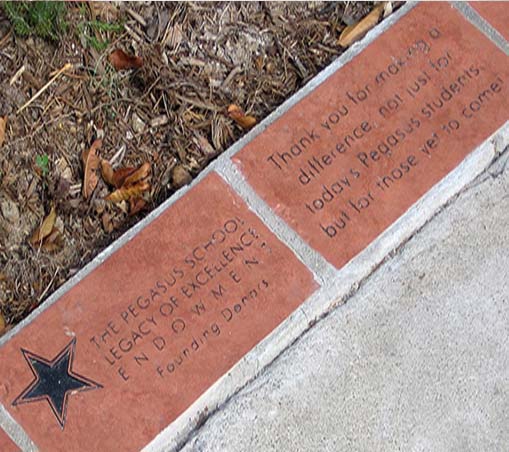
<point x="496" y="13"/>
<point x="6" y="444"/>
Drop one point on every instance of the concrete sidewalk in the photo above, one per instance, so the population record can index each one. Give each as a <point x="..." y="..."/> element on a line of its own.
<point x="416" y="360"/>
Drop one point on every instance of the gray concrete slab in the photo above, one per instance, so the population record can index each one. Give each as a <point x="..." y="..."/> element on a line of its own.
<point x="416" y="360"/>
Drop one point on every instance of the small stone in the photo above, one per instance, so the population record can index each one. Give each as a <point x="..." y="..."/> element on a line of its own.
<point x="180" y="176"/>
<point x="64" y="169"/>
<point x="159" y="121"/>
<point x="59" y="225"/>
<point x="9" y="210"/>
<point x="138" y="124"/>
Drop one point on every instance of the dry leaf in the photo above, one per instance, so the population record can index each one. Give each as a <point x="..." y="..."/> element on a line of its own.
<point x="3" y="124"/>
<point x="107" y="222"/>
<point x="125" y="193"/>
<point x="53" y="242"/>
<point x="107" y="172"/>
<point x="121" y="60"/>
<point x="45" y="229"/>
<point x="237" y="114"/>
<point x="130" y="184"/>
<point x="141" y="173"/>
<point x="116" y="178"/>
<point x="90" y="165"/>
<point x="356" y="31"/>
<point x="120" y="175"/>
<point x="135" y="205"/>
<point x="2" y="324"/>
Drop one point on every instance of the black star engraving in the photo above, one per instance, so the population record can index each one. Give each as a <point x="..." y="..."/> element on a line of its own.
<point x="54" y="381"/>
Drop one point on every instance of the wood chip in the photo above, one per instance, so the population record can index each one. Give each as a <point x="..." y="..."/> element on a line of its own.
<point x="159" y="121"/>
<point x="3" y="125"/>
<point x="356" y="31"/>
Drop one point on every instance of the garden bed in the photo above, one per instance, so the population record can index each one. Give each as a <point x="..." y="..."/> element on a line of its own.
<point x="172" y="113"/>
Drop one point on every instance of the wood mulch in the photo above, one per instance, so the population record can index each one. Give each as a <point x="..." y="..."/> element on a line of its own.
<point x="198" y="58"/>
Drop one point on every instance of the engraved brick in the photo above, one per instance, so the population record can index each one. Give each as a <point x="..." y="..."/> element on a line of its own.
<point x="351" y="157"/>
<point x="130" y="347"/>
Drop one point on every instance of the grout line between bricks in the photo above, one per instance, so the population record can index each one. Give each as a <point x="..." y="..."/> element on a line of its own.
<point x="15" y="431"/>
<point x="322" y="270"/>
<point x="482" y="24"/>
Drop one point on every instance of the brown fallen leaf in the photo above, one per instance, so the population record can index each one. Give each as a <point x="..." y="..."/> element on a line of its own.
<point x="45" y="229"/>
<point x="107" y="222"/>
<point x="141" y="173"/>
<point x="135" y="205"/>
<point x="53" y="242"/>
<point x="107" y="172"/>
<point x="237" y="114"/>
<point x="356" y="31"/>
<point x="121" y="60"/>
<point x="115" y="178"/>
<point x="2" y="324"/>
<point x="3" y="124"/>
<point x="90" y="166"/>
<point x="125" y="193"/>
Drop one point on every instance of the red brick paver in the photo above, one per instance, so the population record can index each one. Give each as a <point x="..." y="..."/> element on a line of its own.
<point x="348" y="160"/>
<point x="6" y="444"/>
<point x="136" y="342"/>
<point x="496" y="13"/>
<point x="129" y="348"/>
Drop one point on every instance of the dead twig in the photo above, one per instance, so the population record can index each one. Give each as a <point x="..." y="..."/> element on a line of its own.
<point x="137" y="17"/>
<point x="17" y="75"/>
<point x="5" y="38"/>
<point x="196" y="103"/>
<point x="66" y="67"/>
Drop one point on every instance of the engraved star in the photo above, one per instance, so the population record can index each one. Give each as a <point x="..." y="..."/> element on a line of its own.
<point x="54" y="381"/>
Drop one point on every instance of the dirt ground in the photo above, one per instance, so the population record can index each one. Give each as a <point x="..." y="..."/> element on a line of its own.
<point x="198" y="58"/>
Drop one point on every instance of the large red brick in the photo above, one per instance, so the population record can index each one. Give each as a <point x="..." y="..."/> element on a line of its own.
<point x="6" y="444"/>
<point x="351" y="157"/>
<point x="136" y="342"/>
<point x="496" y="13"/>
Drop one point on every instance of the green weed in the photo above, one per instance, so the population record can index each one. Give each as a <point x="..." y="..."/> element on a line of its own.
<point x="42" y="162"/>
<point x="88" y="30"/>
<point x="43" y="19"/>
